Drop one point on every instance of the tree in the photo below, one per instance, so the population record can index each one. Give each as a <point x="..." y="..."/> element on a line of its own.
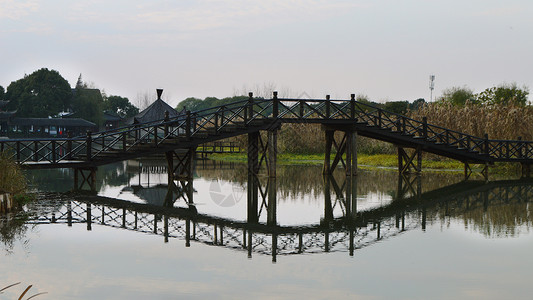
<point x="418" y="103"/>
<point x="41" y="94"/>
<point x="399" y="107"/>
<point x="88" y="104"/>
<point x="504" y="94"/>
<point x="2" y="93"/>
<point x="121" y="106"/>
<point x="458" y="96"/>
<point x="190" y="103"/>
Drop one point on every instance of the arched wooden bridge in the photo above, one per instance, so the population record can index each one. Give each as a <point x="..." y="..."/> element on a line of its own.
<point x="179" y="137"/>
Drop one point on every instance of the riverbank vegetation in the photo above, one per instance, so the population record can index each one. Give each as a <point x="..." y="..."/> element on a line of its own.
<point x="12" y="179"/>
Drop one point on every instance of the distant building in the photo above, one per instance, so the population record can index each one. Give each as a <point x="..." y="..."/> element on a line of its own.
<point x="13" y="127"/>
<point x="156" y="111"/>
<point x="49" y="127"/>
<point x="111" y="120"/>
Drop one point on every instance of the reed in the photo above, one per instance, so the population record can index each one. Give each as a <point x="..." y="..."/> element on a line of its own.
<point x="12" y="179"/>
<point x="498" y="121"/>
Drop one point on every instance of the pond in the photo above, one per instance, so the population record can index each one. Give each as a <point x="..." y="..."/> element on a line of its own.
<point x="377" y="235"/>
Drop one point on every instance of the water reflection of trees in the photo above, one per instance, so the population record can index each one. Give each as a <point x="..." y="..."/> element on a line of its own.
<point x="500" y="217"/>
<point x="13" y="228"/>
<point x="293" y="181"/>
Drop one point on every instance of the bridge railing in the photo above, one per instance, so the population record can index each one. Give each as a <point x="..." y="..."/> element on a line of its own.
<point x="244" y="113"/>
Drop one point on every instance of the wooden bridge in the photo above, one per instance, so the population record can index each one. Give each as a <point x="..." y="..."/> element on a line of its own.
<point x="179" y="137"/>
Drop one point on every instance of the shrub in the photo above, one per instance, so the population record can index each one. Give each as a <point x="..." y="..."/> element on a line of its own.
<point x="11" y="178"/>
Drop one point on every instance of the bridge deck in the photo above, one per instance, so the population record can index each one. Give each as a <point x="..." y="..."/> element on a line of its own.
<point x="253" y="115"/>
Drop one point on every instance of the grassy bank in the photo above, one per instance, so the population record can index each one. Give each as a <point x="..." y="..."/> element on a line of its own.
<point x="367" y="161"/>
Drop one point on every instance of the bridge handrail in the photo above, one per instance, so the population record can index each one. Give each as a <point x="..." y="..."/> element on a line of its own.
<point x="245" y="111"/>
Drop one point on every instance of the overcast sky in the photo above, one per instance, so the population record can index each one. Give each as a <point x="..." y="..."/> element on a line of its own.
<point x="385" y="49"/>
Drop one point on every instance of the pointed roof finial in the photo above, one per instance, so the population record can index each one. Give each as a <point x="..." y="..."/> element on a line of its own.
<point x="159" y="92"/>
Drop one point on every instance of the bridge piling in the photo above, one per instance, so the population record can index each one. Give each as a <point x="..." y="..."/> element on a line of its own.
<point x="272" y="152"/>
<point x="272" y="202"/>
<point x="253" y="170"/>
<point x="347" y="146"/>
<point x="88" y="177"/>
<point x="406" y="162"/>
<point x="351" y="153"/>
<point x="526" y="170"/>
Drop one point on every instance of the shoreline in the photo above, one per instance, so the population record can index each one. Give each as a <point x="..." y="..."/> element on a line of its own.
<point x="370" y="161"/>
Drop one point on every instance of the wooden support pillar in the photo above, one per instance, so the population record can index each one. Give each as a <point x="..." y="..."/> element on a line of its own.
<point x="253" y="153"/>
<point x="351" y="198"/>
<point x="272" y="202"/>
<point x="274" y="247"/>
<point x="328" y="207"/>
<point x="526" y="170"/>
<point x="327" y="170"/>
<point x="252" y="198"/>
<point x="170" y="167"/>
<point x="485" y="172"/>
<point x="250" y="240"/>
<point x="165" y="228"/>
<point x="419" y="160"/>
<point x="467" y="170"/>
<point x="272" y="152"/>
<point x="351" y="153"/>
<point x="406" y="162"/>
<point x="188" y="232"/>
<point x="89" y="217"/>
<point x="253" y="181"/>
<point x="88" y="178"/>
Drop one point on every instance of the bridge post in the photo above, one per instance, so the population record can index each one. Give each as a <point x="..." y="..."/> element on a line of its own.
<point x="88" y="177"/>
<point x="275" y="105"/>
<point x="351" y="198"/>
<point x="328" y="109"/>
<point x="485" y="172"/>
<point x="272" y="202"/>
<point x="526" y="170"/>
<point x="69" y="145"/>
<point x="88" y="144"/>
<point x="405" y="161"/>
<point x="253" y="181"/>
<point x="272" y="152"/>
<point x="250" y="106"/>
<point x="328" y="206"/>
<point x="352" y="107"/>
<point x="467" y="170"/>
<point x="351" y="153"/>
<point x="327" y="157"/>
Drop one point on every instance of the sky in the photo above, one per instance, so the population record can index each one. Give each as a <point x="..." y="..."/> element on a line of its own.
<point x="385" y="49"/>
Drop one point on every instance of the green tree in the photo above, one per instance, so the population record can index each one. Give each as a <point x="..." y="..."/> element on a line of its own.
<point x="190" y="103"/>
<point x="41" y="94"/>
<point x="121" y="106"/>
<point x="195" y="104"/>
<point x="88" y="104"/>
<point x="458" y="96"/>
<point x="2" y="93"/>
<point x="504" y="94"/>
<point x="418" y="103"/>
<point x="399" y="107"/>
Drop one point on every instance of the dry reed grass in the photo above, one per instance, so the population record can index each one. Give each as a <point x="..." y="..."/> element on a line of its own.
<point x="498" y="121"/>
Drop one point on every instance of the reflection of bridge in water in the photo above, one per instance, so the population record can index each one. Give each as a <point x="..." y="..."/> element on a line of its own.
<point x="353" y="230"/>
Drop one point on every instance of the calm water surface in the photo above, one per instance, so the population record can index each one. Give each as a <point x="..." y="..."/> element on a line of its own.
<point x="376" y="237"/>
